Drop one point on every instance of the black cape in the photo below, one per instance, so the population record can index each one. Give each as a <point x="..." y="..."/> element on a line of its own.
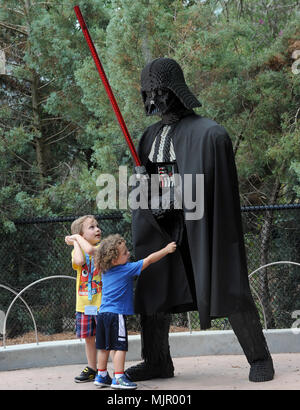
<point x="215" y="242"/>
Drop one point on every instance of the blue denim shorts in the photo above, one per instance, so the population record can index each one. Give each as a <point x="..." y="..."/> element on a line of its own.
<point x="111" y="332"/>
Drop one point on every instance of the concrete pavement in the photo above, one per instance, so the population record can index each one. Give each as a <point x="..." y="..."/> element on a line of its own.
<point x="205" y="360"/>
<point x="182" y="344"/>
<point x="221" y="372"/>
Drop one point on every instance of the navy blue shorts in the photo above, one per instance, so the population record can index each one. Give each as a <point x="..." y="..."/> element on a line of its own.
<point x="111" y="332"/>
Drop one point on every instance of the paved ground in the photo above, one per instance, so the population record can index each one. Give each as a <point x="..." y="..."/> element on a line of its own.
<point x="191" y="373"/>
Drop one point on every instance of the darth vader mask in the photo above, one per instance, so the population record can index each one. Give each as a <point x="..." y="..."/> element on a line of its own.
<point x="158" y="101"/>
<point x="163" y="88"/>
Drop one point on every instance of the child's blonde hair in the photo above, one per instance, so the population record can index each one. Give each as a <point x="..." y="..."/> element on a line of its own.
<point x="108" y="251"/>
<point x="76" y="227"/>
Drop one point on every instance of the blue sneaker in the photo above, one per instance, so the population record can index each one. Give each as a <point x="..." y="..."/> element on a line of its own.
<point x="123" y="383"/>
<point x="103" y="381"/>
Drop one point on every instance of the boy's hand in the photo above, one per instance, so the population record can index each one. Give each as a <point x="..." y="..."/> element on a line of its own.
<point x="171" y="247"/>
<point x="69" y="240"/>
<point x="157" y="256"/>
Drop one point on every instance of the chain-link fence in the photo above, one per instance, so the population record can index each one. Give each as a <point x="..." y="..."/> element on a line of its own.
<point x="37" y="250"/>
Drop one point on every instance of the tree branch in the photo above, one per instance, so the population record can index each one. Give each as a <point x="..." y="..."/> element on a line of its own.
<point x="14" y="28"/>
<point x="65" y="136"/>
<point x="57" y="133"/>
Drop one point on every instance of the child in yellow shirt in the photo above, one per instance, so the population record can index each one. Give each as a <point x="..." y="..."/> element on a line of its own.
<point x="85" y="238"/>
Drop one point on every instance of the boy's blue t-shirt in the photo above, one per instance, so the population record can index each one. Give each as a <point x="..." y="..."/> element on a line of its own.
<point x="117" y="288"/>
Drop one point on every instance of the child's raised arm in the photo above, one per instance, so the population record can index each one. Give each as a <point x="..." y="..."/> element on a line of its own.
<point x="156" y="256"/>
<point x="83" y="243"/>
<point x="77" y="256"/>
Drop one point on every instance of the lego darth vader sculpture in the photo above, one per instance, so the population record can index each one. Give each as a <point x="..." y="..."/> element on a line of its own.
<point x="208" y="271"/>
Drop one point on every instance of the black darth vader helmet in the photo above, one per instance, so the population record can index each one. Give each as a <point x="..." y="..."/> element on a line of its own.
<point x="162" y="85"/>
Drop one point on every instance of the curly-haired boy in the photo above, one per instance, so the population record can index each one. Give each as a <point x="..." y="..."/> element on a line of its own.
<point x="112" y="258"/>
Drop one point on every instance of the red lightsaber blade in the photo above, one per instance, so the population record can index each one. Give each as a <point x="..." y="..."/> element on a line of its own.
<point x="107" y="86"/>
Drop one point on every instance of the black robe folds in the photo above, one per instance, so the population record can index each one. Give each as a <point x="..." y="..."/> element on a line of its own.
<point x="215" y="241"/>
